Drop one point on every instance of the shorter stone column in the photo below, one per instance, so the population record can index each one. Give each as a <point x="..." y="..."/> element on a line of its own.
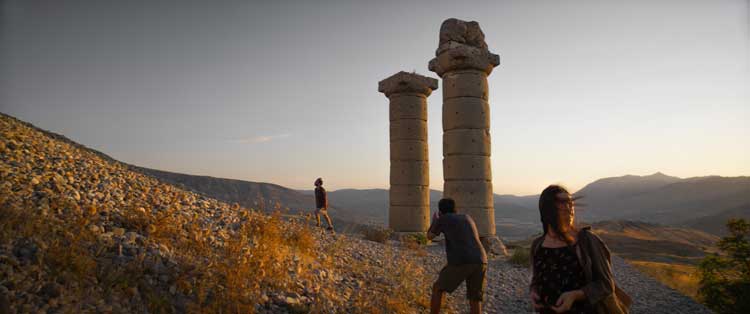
<point x="409" y="209"/>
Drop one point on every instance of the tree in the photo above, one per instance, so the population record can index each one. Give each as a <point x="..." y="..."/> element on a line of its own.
<point x="725" y="277"/>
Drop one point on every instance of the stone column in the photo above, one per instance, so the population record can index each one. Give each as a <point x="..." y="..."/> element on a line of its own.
<point x="464" y="62"/>
<point x="410" y="191"/>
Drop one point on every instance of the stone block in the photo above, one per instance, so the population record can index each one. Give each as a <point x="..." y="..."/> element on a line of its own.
<point x="409" y="218"/>
<point x="408" y="129"/>
<point x="457" y="57"/>
<point x="465" y="84"/>
<point x="409" y="195"/>
<point x="484" y="218"/>
<point x="467" y="142"/>
<point x="407" y="106"/>
<point x="405" y="82"/>
<point x="409" y="150"/>
<point x="469" y="193"/>
<point x="410" y="173"/>
<point x="466" y="113"/>
<point x="466" y="167"/>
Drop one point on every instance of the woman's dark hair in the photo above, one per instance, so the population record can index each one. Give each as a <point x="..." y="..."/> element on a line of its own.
<point x="447" y="205"/>
<point x="550" y="214"/>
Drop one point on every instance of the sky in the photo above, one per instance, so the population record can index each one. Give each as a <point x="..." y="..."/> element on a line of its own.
<point x="286" y="91"/>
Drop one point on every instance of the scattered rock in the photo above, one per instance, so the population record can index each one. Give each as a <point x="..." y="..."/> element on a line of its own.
<point x="51" y="290"/>
<point x="118" y="231"/>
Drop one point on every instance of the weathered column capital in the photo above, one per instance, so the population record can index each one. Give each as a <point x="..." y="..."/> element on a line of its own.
<point x="405" y="82"/>
<point x="462" y="47"/>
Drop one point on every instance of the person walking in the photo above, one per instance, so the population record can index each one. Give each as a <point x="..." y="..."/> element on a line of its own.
<point x="571" y="269"/>
<point x="467" y="260"/>
<point x="321" y="204"/>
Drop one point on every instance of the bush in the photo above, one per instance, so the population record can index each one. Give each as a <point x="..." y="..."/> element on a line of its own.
<point x="521" y="257"/>
<point x="725" y="277"/>
<point x="419" y="238"/>
<point x="377" y="234"/>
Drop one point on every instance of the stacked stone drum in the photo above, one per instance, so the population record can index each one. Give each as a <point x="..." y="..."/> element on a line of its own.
<point x="464" y="62"/>
<point x="409" y="209"/>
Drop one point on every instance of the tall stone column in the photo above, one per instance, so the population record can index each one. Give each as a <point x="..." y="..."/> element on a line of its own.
<point x="410" y="191"/>
<point x="464" y="62"/>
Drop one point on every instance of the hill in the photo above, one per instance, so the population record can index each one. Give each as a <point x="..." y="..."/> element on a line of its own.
<point x="640" y="241"/>
<point x="668" y="254"/>
<point x="248" y="194"/>
<point x="716" y="223"/>
<point x="667" y="200"/>
<point x="81" y="233"/>
<point x="266" y="197"/>
<point x="625" y="186"/>
<point x="703" y="203"/>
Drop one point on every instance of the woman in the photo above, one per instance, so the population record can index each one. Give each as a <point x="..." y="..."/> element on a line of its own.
<point x="572" y="272"/>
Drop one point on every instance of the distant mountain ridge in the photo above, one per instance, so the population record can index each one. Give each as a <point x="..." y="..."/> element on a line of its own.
<point x="668" y="200"/>
<point x="625" y="186"/>
<point x="699" y="202"/>
<point x="704" y="203"/>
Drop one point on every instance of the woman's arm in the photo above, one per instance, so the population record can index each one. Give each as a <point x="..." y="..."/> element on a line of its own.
<point x="602" y="282"/>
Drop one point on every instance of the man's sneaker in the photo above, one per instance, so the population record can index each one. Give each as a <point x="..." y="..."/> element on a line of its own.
<point x="330" y="229"/>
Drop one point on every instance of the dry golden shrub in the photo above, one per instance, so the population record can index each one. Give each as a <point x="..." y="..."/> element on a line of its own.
<point x="377" y="234"/>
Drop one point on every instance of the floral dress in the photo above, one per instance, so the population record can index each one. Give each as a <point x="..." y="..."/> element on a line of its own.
<point x="558" y="271"/>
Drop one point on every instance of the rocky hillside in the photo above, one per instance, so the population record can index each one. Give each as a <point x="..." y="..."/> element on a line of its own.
<point x="81" y="233"/>
<point x="266" y="197"/>
<point x="249" y="194"/>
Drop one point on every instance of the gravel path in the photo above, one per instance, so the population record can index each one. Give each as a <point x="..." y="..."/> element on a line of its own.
<point x="507" y="284"/>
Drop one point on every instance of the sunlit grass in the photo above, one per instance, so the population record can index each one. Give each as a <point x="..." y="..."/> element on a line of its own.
<point x="680" y="277"/>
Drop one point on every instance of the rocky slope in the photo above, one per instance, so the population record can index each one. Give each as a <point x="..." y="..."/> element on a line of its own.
<point x="266" y="197"/>
<point x="81" y="233"/>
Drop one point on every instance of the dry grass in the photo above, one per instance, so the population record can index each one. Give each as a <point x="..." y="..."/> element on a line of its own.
<point x="377" y="234"/>
<point x="219" y="277"/>
<point x="402" y="287"/>
<point x="521" y="257"/>
<point x="682" y="278"/>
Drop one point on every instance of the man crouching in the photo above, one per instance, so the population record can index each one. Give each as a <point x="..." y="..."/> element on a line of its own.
<point x="466" y="257"/>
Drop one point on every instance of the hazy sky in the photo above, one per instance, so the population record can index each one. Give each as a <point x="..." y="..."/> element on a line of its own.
<point x="284" y="92"/>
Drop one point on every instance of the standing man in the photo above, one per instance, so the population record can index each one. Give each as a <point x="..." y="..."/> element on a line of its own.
<point x="321" y="204"/>
<point x="467" y="260"/>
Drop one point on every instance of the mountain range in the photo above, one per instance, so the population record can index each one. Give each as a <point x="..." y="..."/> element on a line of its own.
<point x="703" y="203"/>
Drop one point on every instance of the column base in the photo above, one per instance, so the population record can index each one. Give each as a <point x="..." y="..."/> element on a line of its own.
<point x="493" y="245"/>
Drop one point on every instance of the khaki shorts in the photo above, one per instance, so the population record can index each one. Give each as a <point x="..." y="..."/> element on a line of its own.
<point x="453" y="275"/>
